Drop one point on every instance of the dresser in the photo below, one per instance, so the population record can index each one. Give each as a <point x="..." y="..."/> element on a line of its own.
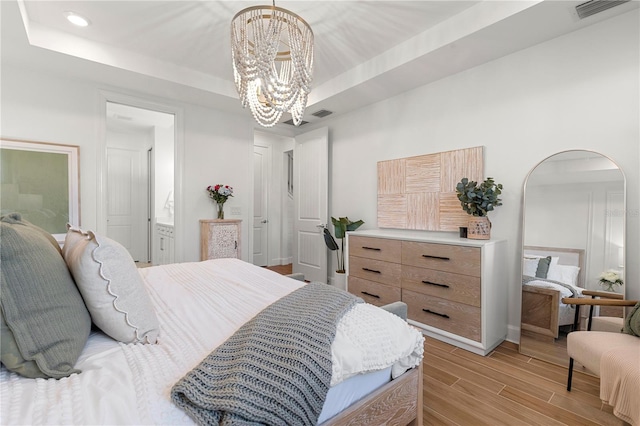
<point x="455" y="288"/>
<point x="219" y="238"/>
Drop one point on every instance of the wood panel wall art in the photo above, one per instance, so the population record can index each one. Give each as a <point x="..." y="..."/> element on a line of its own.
<point x="420" y="192"/>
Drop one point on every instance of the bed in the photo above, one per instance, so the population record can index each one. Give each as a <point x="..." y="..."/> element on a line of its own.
<point x="543" y="312"/>
<point x="376" y="370"/>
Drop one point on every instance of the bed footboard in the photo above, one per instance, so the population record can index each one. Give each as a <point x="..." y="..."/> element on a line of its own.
<point x="541" y="315"/>
<point x="399" y="402"/>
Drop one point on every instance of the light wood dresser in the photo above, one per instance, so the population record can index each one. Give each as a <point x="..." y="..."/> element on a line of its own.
<point x="455" y="288"/>
<point x="219" y="238"/>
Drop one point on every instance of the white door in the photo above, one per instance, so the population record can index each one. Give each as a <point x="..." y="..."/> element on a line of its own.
<point x="127" y="200"/>
<point x="310" y="186"/>
<point x="260" y="205"/>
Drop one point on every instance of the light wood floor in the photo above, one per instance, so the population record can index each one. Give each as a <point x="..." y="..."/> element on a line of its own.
<point x="281" y="269"/>
<point x="503" y="388"/>
<point x="506" y="388"/>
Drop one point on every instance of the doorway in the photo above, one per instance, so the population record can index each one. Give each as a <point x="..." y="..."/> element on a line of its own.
<point x="272" y="230"/>
<point x="296" y="201"/>
<point x="139" y="192"/>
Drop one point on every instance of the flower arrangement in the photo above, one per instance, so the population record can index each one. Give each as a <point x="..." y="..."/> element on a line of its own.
<point x="609" y="279"/>
<point x="220" y="194"/>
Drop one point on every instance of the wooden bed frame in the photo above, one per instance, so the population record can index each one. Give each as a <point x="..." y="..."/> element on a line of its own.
<point x="541" y="315"/>
<point x="543" y="304"/>
<point x="399" y="402"/>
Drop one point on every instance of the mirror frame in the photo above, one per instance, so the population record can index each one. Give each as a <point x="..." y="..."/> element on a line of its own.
<point x="523" y="242"/>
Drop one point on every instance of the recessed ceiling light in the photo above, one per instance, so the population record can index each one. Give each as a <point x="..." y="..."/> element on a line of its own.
<point x="76" y="19"/>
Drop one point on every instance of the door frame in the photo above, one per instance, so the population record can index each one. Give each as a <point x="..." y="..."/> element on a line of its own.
<point x="105" y="96"/>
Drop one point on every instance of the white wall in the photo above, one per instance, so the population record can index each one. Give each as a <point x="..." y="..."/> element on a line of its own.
<point x="39" y="106"/>
<point x="579" y="91"/>
<point x="568" y="217"/>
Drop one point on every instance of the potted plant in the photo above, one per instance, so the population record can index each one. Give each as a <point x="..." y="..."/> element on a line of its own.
<point x="478" y="200"/>
<point x="341" y="226"/>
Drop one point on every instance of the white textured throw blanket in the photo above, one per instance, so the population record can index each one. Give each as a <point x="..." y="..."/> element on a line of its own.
<point x="275" y="370"/>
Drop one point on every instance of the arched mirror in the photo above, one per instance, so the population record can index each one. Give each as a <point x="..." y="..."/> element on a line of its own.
<point x="573" y="232"/>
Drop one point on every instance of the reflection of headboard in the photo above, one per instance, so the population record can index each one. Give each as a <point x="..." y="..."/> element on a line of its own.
<point x="567" y="256"/>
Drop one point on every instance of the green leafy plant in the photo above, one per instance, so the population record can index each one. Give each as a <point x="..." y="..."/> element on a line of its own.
<point x="479" y="199"/>
<point x="341" y="226"/>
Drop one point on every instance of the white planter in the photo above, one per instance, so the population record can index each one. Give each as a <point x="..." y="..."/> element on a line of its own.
<point x="339" y="281"/>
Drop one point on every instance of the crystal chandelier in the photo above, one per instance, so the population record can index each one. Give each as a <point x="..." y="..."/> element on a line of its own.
<point x="272" y="52"/>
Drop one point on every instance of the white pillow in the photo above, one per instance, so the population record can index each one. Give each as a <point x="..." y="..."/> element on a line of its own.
<point x="111" y="287"/>
<point x="554" y="262"/>
<point x="554" y="259"/>
<point x="530" y="266"/>
<point x="564" y="273"/>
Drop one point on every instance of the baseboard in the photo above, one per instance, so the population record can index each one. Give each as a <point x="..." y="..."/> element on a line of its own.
<point x="513" y="334"/>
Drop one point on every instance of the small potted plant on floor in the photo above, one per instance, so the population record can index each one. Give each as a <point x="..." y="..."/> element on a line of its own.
<point x="478" y="200"/>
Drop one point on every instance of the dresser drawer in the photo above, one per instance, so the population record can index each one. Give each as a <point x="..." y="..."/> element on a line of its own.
<point x="375" y="270"/>
<point x="454" y="317"/>
<point x="375" y="248"/>
<point x="445" y="285"/>
<point x="442" y="257"/>
<point x="372" y="292"/>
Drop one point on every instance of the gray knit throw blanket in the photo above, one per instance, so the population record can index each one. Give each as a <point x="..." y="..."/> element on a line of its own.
<point x="275" y="370"/>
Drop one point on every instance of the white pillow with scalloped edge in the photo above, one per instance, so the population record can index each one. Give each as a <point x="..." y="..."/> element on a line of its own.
<point x="111" y="287"/>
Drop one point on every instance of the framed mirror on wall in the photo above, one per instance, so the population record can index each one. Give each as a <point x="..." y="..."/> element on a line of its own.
<point x="40" y="181"/>
<point x="573" y="232"/>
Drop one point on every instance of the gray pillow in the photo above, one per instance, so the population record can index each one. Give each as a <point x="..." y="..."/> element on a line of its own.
<point x="42" y="309"/>
<point x="11" y="356"/>
<point x="543" y="267"/>
<point x="632" y="322"/>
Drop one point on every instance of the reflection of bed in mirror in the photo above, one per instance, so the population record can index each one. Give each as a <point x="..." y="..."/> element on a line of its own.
<point x="543" y="313"/>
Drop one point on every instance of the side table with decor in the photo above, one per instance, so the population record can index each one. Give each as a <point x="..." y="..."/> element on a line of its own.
<point x="220" y="238"/>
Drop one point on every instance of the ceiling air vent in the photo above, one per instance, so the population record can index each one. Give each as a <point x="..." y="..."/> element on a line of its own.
<point x="322" y="113"/>
<point x="596" y="6"/>
<point x="290" y="122"/>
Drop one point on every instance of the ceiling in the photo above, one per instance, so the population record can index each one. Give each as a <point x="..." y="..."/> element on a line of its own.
<point x="365" y="51"/>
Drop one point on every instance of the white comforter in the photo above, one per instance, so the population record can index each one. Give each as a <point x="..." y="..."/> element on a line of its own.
<point x="199" y="305"/>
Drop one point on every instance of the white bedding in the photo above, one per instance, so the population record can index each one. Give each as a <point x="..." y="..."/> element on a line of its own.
<point x="564" y="292"/>
<point x="199" y="305"/>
